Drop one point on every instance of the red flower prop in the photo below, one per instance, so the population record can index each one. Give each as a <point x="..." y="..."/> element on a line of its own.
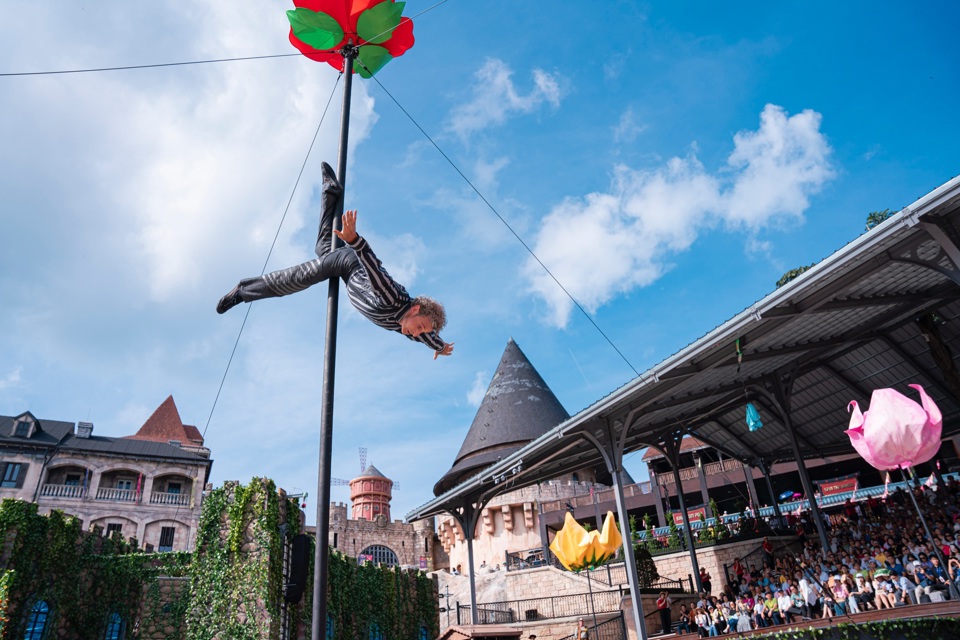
<point x="319" y="28"/>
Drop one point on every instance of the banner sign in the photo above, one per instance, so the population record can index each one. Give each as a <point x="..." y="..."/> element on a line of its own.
<point x="423" y="562"/>
<point x="692" y="514"/>
<point x="838" y="485"/>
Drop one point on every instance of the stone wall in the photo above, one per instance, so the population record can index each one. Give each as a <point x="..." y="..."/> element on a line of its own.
<point x="161" y="614"/>
<point x="678" y="566"/>
<point x="409" y="542"/>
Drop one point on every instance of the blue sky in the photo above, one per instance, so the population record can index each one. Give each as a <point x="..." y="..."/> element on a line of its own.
<point x="667" y="161"/>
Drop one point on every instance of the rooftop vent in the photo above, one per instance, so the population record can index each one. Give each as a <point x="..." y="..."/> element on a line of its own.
<point x="175" y="443"/>
<point x="84" y="429"/>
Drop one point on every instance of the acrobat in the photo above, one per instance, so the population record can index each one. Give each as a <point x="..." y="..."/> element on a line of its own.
<point x="371" y="290"/>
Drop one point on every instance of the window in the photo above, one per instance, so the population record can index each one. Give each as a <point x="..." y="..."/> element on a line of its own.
<point x="22" y="430"/>
<point x="72" y="480"/>
<point x="37" y="621"/>
<point x="166" y="539"/>
<point x="174" y="487"/>
<point x="376" y="633"/>
<point x="378" y="554"/>
<point x="115" y="627"/>
<point x="126" y="485"/>
<point x="114" y="528"/>
<point x="13" y="475"/>
<point x="334" y="539"/>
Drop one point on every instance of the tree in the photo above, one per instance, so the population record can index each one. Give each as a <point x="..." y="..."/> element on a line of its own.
<point x="674" y="538"/>
<point x="793" y="273"/>
<point x="876" y="217"/>
<point x="646" y="568"/>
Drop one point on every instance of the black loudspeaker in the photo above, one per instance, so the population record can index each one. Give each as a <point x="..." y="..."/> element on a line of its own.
<point x="299" y="563"/>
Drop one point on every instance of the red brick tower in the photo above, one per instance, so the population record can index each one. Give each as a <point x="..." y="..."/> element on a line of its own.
<point x="370" y="493"/>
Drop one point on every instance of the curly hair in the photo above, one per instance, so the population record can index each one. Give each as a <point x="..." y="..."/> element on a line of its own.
<point x="430" y="308"/>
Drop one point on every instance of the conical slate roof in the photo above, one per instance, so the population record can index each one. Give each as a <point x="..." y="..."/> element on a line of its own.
<point x="371" y="471"/>
<point x="517" y="408"/>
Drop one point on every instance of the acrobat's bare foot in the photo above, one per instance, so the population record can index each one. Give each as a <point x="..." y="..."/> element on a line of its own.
<point x="230" y="300"/>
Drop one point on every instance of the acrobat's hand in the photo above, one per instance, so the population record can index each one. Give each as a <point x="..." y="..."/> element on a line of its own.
<point x="349" y="232"/>
<point x="447" y="350"/>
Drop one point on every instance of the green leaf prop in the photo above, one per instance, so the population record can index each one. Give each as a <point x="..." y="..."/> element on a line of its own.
<point x="376" y="24"/>
<point x="373" y="58"/>
<point x="314" y="28"/>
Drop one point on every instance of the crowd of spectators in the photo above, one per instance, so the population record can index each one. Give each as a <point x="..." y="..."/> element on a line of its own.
<point x="879" y="557"/>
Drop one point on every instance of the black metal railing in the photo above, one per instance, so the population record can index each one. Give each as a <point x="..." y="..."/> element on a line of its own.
<point x="613" y="629"/>
<point x="581" y="604"/>
<point x="614" y="574"/>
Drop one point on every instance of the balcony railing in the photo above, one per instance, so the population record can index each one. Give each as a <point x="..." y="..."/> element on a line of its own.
<point x="117" y="495"/>
<point x="179" y="499"/>
<point x="63" y="491"/>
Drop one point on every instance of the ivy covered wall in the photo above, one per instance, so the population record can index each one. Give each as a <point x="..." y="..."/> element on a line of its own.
<point x="83" y="579"/>
<point x="230" y="588"/>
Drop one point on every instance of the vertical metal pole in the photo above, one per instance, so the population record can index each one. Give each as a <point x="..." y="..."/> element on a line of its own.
<point x="783" y="399"/>
<point x="774" y="499"/>
<point x="320" y="558"/>
<point x="629" y="560"/>
<point x="474" y="617"/>
<point x="686" y="523"/>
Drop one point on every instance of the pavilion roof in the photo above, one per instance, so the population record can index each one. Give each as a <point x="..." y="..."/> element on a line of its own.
<point x="845" y="327"/>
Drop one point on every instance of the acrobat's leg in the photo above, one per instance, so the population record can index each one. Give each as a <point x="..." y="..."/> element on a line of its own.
<point x="331" y="200"/>
<point x="338" y="264"/>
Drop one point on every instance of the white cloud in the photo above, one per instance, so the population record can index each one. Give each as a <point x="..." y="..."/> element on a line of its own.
<point x="777" y="167"/>
<point x="495" y="98"/>
<point x="479" y="389"/>
<point x="11" y="380"/>
<point x="607" y="244"/>
<point x="627" y="129"/>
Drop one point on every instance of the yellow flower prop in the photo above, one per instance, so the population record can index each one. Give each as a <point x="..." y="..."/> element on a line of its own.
<point x="578" y="549"/>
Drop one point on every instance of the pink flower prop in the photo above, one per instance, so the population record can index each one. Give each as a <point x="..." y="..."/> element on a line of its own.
<point x="896" y="431"/>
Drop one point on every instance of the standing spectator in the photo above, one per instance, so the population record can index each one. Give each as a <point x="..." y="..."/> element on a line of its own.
<point x="705" y="580"/>
<point x="582" y="632"/>
<point x="767" y="547"/>
<point x="663" y="606"/>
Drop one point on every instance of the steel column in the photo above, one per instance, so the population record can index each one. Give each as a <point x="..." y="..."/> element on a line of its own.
<point x="320" y="557"/>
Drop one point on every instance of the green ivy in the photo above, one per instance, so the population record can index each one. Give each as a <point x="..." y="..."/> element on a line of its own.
<point x="84" y="577"/>
<point x="233" y="582"/>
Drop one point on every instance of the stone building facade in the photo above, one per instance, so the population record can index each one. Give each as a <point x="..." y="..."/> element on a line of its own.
<point x="147" y="486"/>
<point x="365" y="531"/>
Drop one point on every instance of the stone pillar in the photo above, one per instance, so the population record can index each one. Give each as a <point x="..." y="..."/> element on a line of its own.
<point x="94" y="485"/>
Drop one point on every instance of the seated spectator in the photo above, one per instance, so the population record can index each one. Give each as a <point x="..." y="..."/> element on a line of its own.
<point x="684" y="623"/>
<point x="863" y="593"/>
<point x="885" y="592"/>
<point x="904" y="589"/>
<point x="771" y="609"/>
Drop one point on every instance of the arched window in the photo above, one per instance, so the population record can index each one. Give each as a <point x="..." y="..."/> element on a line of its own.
<point x="379" y="554"/>
<point x="376" y="633"/>
<point x="424" y="633"/>
<point x="115" y="627"/>
<point x="329" y="626"/>
<point x="37" y="620"/>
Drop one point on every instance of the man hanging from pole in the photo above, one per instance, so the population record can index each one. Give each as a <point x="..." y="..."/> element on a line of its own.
<point x="370" y="288"/>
